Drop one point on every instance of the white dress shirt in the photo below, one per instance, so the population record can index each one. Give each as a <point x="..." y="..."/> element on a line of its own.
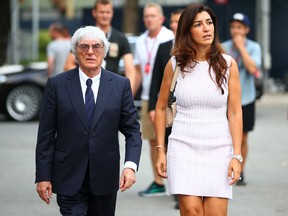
<point x="95" y="88"/>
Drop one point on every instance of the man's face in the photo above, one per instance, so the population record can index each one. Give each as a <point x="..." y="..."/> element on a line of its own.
<point x="238" y="28"/>
<point x="174" y="22"/>
<point x="152" y="18"/>
<point x="103" y="14"/>
<point x="90" y="54"/>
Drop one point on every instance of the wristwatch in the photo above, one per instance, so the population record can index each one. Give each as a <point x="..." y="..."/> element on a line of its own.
<point x="238" y="157"/>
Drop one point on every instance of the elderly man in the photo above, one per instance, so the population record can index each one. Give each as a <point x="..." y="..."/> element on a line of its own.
<point x="77" y="153"/>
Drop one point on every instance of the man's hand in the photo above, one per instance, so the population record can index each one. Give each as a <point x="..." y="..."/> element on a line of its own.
<point x="44" y="190"/>
<point x="127" y="179"/>
<point x="152" y="115"/>
<point x="239" y="41"/>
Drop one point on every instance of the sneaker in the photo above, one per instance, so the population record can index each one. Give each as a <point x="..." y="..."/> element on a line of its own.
<point x="153" y="190"/>
<point x="175" y="198"/>
<point x="176" y="205"/>
<point x="241" y="181"/>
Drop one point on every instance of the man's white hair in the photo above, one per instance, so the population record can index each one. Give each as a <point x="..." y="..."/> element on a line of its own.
<point x="86" y="33"/>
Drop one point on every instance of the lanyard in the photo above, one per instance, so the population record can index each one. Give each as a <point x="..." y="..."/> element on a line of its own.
<point x="149" y="55"/>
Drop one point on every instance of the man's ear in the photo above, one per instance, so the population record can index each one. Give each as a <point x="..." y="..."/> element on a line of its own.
<point x="247" y="30"/>
<point x="163" y="19"/>
<point x="93" y="13"/>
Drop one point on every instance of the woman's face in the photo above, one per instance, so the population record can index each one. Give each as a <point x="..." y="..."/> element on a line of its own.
<point x="202" y="30"/>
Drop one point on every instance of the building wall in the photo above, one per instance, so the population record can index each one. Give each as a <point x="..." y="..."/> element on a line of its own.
<point x="279" y="39"/>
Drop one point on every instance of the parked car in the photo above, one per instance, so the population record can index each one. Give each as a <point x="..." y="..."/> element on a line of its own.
<point x="21" y="90"/>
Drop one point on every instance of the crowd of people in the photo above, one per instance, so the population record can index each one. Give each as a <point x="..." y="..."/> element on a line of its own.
<point x="84" y="108"/>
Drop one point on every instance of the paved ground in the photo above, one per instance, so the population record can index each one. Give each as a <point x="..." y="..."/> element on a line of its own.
<point x="264" y="195"/>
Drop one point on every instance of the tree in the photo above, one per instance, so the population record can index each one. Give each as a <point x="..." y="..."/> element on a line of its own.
<point x="130" y="16"/>
<point x="5" y="26"/>
<point x="65" y="7"/>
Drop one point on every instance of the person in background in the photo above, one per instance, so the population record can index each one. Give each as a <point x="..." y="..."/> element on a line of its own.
<point x="66" y="32"/>
<point x="247" y="54"/>
<point x="58" y="49"/>
<point x="119" y="46"/>
<point x="162" y="57"/>
<point x="145" y="52"/>
<point x="203" y="159"/>
<point x="77" y="150"/>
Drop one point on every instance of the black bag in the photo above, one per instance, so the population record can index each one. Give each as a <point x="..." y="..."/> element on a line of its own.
<point x="171" y="106"/>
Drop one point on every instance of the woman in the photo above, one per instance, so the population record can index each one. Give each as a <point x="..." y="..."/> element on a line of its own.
<point x="204" y="150"/>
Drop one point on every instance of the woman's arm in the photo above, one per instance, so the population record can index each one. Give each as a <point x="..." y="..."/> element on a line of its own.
<point x="160" y="119"/>
<point x="235" y="120"/>
<point x="70" y="62"/>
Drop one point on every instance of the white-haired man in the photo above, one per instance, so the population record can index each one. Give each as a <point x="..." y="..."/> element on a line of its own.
<point x="77" y="153"/>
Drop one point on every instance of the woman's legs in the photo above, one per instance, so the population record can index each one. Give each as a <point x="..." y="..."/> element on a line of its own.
<point x="215" y="206"/>
<point x="190" y="205"/>
<point x="206" y="206"/>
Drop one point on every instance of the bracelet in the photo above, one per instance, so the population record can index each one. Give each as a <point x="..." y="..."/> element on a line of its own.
<point x="159" y="146"/>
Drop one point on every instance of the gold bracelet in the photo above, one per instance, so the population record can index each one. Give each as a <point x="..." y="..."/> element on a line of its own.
<point x="159" y="146"/>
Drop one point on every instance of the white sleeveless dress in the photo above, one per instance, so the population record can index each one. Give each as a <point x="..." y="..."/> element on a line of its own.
<point x="200" y="145"/>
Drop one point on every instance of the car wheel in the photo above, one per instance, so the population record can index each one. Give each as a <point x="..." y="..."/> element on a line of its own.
<point x="23" y="102"/>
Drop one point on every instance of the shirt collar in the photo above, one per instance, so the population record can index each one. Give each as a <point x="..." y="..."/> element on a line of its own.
<point x="84" y="77"/>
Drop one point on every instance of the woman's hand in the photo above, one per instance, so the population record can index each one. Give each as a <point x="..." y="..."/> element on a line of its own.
<point x="161" y="164"/>
<point x="234" y="171"/>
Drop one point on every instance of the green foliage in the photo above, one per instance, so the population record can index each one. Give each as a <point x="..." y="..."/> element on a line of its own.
<point x="44" y="39"/>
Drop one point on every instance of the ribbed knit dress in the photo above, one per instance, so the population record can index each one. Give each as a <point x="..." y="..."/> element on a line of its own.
<point x="200" y="145"/>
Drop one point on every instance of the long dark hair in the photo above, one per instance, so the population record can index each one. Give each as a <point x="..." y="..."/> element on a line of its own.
<point x="184" y="49"/>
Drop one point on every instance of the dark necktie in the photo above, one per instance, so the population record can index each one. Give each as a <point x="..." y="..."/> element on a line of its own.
<point x="89" y="101"/>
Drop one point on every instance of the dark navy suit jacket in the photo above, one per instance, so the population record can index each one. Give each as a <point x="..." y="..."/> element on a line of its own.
<point x="162" y="57"/>
<point x="65" y="145"/>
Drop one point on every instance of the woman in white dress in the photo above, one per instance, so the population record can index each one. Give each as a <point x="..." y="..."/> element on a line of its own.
<point x="203" y="159"/>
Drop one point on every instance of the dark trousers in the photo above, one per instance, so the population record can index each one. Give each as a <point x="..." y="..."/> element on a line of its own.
<point x="84" y="203"/>
<point x="248" y="115"/>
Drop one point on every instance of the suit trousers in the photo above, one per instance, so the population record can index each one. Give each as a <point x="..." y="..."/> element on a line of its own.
<point x="84" y="203"/>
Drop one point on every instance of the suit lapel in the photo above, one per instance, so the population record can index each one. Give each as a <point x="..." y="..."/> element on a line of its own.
<point x="74" y="90"/>
<point x="104" y="92"/>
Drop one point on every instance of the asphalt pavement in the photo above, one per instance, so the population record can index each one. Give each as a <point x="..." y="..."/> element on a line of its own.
<point x="266" y="173"/>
